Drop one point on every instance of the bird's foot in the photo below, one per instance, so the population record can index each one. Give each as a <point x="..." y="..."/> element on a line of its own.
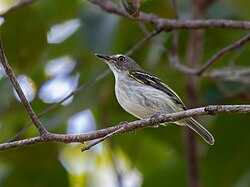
<point x="126" y="123"/>
<point x="154" y="120"/>
<point x="123" y="123"/>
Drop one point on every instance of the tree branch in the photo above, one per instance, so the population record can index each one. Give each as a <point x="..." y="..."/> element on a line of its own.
<point x="131" y="126"/>
<point x="92" y="144"/>
<point x="222" y="52"/>
<point x="141" y="42"/>
<point x="169" y="24"/>
<point x="41" y="114"/>
<point x="174" y="60"/>
<point x="20" y="93"/>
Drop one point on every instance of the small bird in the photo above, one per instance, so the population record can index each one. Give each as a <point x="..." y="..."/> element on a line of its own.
<point x="144" y="95"/>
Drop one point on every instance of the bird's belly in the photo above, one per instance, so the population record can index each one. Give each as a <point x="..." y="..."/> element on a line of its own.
<point x="143" y="104"/>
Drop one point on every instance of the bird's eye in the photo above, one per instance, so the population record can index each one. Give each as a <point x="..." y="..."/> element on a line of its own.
<point x="121" y="58"/>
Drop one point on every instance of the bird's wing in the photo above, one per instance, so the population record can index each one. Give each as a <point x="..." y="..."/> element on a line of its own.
<point x="150" y="80"/>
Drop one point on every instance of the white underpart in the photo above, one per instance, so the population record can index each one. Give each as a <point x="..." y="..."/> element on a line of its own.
<point x="140" y="100"/>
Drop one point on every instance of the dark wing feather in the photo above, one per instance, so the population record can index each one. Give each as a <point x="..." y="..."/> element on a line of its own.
<point x="150" y="80"/>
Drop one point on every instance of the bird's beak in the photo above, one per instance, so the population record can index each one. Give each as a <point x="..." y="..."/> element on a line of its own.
<point x="105" y="57"/>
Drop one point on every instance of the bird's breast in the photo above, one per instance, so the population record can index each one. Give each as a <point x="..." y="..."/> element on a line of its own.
<point x="141" y="100"/>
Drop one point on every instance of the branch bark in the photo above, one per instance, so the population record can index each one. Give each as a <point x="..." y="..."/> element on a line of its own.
<point x="129" y="127"/>
<point x="169" y="24"/>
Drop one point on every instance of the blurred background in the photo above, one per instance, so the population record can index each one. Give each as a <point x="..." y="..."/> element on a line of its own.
<point x="50" y="46"/>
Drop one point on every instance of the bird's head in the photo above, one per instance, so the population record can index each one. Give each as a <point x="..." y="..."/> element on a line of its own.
<point x="119" y="63"/>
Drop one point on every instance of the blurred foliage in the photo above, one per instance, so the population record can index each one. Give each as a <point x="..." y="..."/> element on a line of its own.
<point x="150" y="157"/>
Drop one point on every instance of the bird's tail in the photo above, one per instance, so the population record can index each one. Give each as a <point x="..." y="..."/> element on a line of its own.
<point x="199" y="129"/>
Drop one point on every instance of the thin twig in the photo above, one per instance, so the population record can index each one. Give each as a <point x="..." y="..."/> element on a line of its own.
<point x="131" y="126"/>
<point x="169" y="24"/>
<point x="28" y="108"/>
<point x="170" y="55"/>
<point x="92" y="144"/>
<point x="222" y="52"/>
<point x="235" y="74"/>
<point x="174" y="60"/>
<point x="141" y="42"/>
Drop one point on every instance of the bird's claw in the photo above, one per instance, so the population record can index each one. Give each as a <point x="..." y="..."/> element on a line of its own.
<point x="154" y="119"/>
<point x="123" y="123"/>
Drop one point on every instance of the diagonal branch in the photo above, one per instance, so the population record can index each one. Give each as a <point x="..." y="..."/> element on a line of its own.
<point x="53" y="106"/>
<point x="169" y="24"/>
<point x="174" y="60"/>
<point x="92" y="144"/>
<point x="131" y="126"/>
<point x="222" y="52"/>
<point x="141" y="42"/>
<point x="20" y="93"/>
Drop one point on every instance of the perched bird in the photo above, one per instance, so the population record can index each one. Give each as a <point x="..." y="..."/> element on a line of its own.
<point x="143" y="95"/>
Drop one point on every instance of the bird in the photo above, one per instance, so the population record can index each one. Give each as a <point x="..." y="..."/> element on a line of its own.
<point x="144" y="95"/>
